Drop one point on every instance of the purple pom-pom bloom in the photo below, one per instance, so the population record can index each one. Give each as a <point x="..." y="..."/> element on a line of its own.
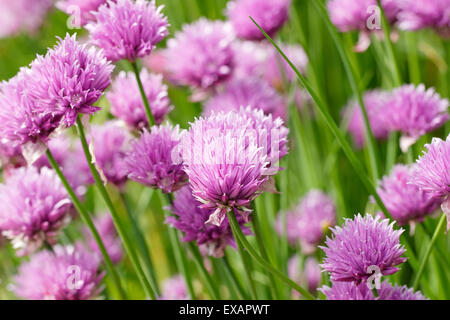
<point x="174" y="289"/>
<point x="269" y="14"/>
<point x="253" y="92"/>
<point x="415" y="111"/>
<point x="405" y="201"/>
<point x="310" y="220"/>
<point x="82" y="11"/>
<point x="128" y="29"/>
<point x="107" y="231"/>
<point x="67" y="273"/>
<point x="361" y="243"/>
<point x="419" y="14"/>
<point x="12" y="15"/>
<point x="310" y="275"/>
<point x="206" y="51"/>
<point x="374" y="102"/>
<point x="191" y="219"/>
<point x="353" y="291"/>
<point x="432" y="173"/>
<point x="69" y="79"/>
<point x="126" y="100"/>
<point x="155" y="159"/>
<point x="34" y="206"/>
<point x="110" y="149"/>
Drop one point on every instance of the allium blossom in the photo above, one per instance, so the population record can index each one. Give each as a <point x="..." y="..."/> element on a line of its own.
<point x="359" y="244"/>
<point x="252" y="57"/>
<point x="310" y="274"/>
<point x="375" y="103"/>
<point x="308" y="223"/>
<point x="107" y="231"/>
<point x="432" y="173"/>
<point x="128" y="29"/>
<point x="419" y="14"/>
<point x="110" y="149"/>
<point x="190" y="218"/>
<point x="34" y="206"/>
<point x="389" y="292"/>
<point x="174" y="289"/>
<point x="269" y="14"/>
<point x="405" y="201"/>
<point x="415" y="111"/>
<point x="82" y="11"/>
<point x="206" y="51"/>
<point x="69" y="79"/>
<point x="12" y="15"/>
<point x="155" y="159"/>
<point x="126" y="100"/>
<point x="253" y="92"/>
<point x="67" y="273"/>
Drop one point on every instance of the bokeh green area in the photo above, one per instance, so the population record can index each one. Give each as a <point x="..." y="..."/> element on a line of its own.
<point x="314" y="161"/>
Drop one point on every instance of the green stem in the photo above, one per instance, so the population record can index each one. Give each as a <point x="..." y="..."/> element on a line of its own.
<point x="247" y="269"/>
<point x="88" y="220"/>
<point x="142" y="245"/>
<point x="240" y="238"/>
<point x="150" y="292"/>
<point x="148" y="111"/>
<point x="203" y="272"/>
<point x="424" y="260"/>
<point x="335" y="130"/>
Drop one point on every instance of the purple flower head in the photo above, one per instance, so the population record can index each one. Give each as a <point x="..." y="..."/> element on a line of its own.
<point x="174" y="289"/>
<point x="415" y="111"/>
<point x="347" y="291"/>
<point x="272" y="72"/>
<point x="375" y="103"/>
<point x="128" y="29"/>
<point x="269" y="14"/>
<point x="155" y="159"/>
<point x="224" y="163"/>
<point x="308" y="223"/>
<point x="53" y="275"/>
<point x="107" y="231"/>
<point x="190" y="218"/>
<point x="253" y="92"/>
<point x="12" y="15"/>
<point x="126" y="100"/>
<point x="405" y="201"/>
<point x="252" y="57"/>
<point x="432" y="173"/>
<point x="419" y="14"/>
<point x="362" y="243"/>
<point x="34" y="206"/>
<point x="206" y="51"/>
<point x="69" y="79"/>
<point x="60" y="148"/>
<point x="311" y="273"/>
<point x="110" y="149"/>
<point x="10" y="157"/>
<point x="23" y="122"/>
<point x="82" y="11"/>
<point x="350" y="15"/>
<point x="389" y="292"/>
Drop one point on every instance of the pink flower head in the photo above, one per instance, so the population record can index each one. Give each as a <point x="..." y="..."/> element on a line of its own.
<point x="252" y="58"/>
<point x="12" y="15"/>
<point x="34" y="206"/>
<point x="126" y="100"/>
<point x="405" y="201"/>
<point x="362" y="243"/>
<point x="415" y="111"/>
<point x="155" y="159"/>
<point x="375" y="103"/>
<point x="175" y="289"/>
<point x="69" y="79"/>
<point x="389" y="292"/>
<point x="432" y="173"/>
<point x="107" y="231"/>
<point x="310" y="274"/>
<point x="253" y="92"/>
<point x="67" y="273"/>
<point x="206" y="51"/>
<point x="269" y="14"/>
<point x="190" y="218"/>
<point x="128" y="29"/>
<point x="82" y="11"/>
